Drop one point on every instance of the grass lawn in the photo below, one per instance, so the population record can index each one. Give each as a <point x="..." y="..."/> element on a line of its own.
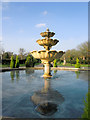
<point x="3" y="66"/>
<point x="21" y="65"/>
<point x="69" y="64"/>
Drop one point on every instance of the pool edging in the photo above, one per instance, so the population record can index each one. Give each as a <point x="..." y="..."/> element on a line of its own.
<point x="40" y="68"/>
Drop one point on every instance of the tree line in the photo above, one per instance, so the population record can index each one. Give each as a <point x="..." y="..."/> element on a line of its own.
<point x="29" y="62"/>
<point x="14" y="60"/>
<point x="81" y="52"/>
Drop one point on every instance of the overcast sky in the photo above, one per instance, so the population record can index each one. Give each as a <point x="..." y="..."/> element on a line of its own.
<point x="22" y="23"/>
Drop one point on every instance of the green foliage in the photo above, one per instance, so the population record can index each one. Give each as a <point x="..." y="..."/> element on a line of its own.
<point x="55" y="63"/>
<point x="12" y="64"/>
<point x="83" y="48"/>
<point x="73" y="61"/>
<point x="55" y="71"/>
<point x="77" y="65"/>
<point x="86" y="107"/>
<point x="17" y="62"/>
<point x="71" y="58"/>
<point x="7" y="55"/>
<point x="29" y="61"/>
<point x="80" y="51"/>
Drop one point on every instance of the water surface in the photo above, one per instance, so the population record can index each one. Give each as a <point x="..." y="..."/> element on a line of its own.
<point x="26" y="94"/>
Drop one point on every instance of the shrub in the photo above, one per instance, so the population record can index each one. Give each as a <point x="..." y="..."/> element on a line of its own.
<point x="72" y="61"/>
<point x="77" y="65"/>
<point x="12" y="64"/>
<point x="86" y="61"/>
<point x="83" y="61"/>
<point x="55" y="71"/>
<point x="29" y="61"/>
<point x="17" y="62"/>
<point x="55" y="63"/>
<point x="71" y="58"/>
<point x="57" y="60"/>
<point x="67" y="61"/>
<point x="86" y="107"/>
<point x="60" y="61"/>
<point x="89" y="61"/>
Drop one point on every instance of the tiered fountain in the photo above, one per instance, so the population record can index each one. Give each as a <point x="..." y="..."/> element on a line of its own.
<point x="47" y="56"/>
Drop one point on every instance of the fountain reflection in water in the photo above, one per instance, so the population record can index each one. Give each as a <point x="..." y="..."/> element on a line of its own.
<point x="47" y="99"/>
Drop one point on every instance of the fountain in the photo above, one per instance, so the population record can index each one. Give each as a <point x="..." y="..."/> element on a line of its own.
<point x="47" y="56"/>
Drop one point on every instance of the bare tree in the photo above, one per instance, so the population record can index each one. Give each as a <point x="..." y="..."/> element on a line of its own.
<point x="21" y="52"/>
<point x="7" y="55"/>
<point x="83" y="48"/>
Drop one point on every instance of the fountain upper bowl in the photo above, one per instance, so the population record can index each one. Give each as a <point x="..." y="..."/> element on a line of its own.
<point x="47" y="34"/>
<point x="47" y="42"/>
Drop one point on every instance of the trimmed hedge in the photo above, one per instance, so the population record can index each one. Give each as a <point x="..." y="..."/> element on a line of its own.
<point x="55" y="63"/>
<point x="77" y="65"/>
<point x="7" y="62"/>
<point x="17" y="62"/>
<point x="30" y="61"/>
<point x="12" y="63"/>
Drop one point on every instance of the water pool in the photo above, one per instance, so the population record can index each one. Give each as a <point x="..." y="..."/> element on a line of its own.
<point x="26" y="94"/>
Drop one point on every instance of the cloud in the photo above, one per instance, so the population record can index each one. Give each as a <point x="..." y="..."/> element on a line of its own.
<point x="6" y="18"/>
<point x="40" y="25"/>
<point x="45" y="13"/>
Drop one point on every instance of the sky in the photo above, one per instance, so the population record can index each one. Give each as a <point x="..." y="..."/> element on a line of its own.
<point x="22" y="23"/>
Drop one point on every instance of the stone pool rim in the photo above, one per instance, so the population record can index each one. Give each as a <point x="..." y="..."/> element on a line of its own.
<point x="41" y="68"/>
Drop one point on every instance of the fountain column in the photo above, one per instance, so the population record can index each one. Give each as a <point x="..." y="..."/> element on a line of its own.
<point x="47" y="69"/>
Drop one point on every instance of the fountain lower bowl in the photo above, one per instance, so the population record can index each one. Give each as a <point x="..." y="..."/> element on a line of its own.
<point x="47" y="55"/>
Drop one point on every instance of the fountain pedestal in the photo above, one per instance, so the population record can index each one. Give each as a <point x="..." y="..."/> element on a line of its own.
<point x="47" y="72"/>
<point x="47" y="55"/>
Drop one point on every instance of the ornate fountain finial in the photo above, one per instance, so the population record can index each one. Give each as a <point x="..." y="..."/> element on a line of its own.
<point x="47" y="30"/>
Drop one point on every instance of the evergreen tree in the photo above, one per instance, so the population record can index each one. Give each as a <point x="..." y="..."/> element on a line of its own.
<point x="17" y="62"/>
<point x="77" y="65"/>
<point x="12" y="64"/>
<point x="55" y="63"/>
<point x="29" y="61"/>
